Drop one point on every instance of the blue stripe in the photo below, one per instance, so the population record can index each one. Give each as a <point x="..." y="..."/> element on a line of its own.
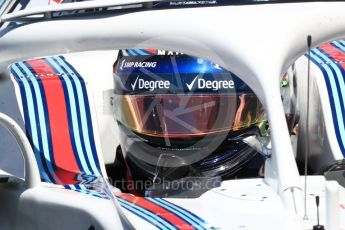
<point x="131" y="52"/>
<point x="43" y="121"/>
<point x="30" y="121"/>
<point x="91" y="192"/>
<point x="71" y="109"/>
<point x="27" y="102"/>
<point x="87" y="126"/>
<point x="339" y="76"/>
<point x="35" y="121"/>
<point x="80" y="103"/>
<point x="45" y="153"/>
<point x="67" y="105"/>
<point x="47" y="122"/>
<point x="341" y="89"/>
<point x="79" y="117"/>
<point x="342" y="42"/>
<point x="161" y="223"/>
<point x="77" y="188"/>
<point x="333" y="94"/>
<point x="180" y="213"/>
<point x="339" y="45"/>
<point x="186" y="212"/>
<point x="141" y="52"/>
<point x="142" y="215"/>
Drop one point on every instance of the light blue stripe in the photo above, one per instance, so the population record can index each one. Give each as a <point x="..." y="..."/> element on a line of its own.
<point x="84" y="191"/>
<point x="334" y="94"/>
<point x="181" y="213"/>
<point x="132" y="52"/>
<point x="154" y="217"/>
<point x="93" y="192"/>
<point x="73" y="114"/>
<point x="32" y="118"/>
<point x="339" y="45"/>
<point x="42" y="121"/>
<point x="338" y="72"/>
<point x="72" y="187"/>
<point x="342" y="42"/>
<point x="145" y="217"/>
<point x="82" y="116"/>
<point x="141" y="52"/>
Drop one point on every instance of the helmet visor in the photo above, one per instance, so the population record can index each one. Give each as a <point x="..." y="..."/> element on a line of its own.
<point x="181" y="116"/>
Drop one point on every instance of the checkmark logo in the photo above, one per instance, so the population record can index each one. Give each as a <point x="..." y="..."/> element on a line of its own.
<point x="135" y="83"/>
<point x="190" y="85"/>
<point x="122" y="63"/>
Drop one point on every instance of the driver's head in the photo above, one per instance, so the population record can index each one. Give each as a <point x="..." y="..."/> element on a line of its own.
<point x="182" y="113"/>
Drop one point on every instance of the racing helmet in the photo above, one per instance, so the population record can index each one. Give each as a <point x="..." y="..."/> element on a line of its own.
<point x="180" y="115"/>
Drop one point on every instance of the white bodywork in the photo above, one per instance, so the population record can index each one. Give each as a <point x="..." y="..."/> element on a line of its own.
<point x="325" y="148"/>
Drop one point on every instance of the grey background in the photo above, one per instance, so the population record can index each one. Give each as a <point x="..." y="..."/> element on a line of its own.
<point x="11" y="159"/>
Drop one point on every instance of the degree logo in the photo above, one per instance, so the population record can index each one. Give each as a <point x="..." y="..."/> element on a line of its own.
<point x="140" y="83"/>
<point x="208" y="84"/>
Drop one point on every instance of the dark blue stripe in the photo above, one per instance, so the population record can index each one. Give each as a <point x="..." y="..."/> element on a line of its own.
<point x="89" y="123"/>
<point x="131" y="52"/>
<point x="88" y="115"/>
<point x="190" y="213"/>
<point x="25" y="110"/>
<point x="141" y="52"/>
<point x="46" y="117"/>
<point x="138" y="213"/>
<point x="37" y="149"/>
<point x="69" y="118"/>
<point x="79" y="131"/>
<point x="47" y="121"/>
<point x="81" y="190"/>
<point x="182" y="214"/>
<point x="330" y="97"/>
<point x="24" y="105"/>
<point x="159" y="218"/>
<point x="37" y="121"/>
<point x="341" y="99"/>
<point x="335" y="78"/>
<point x="340" y="46"/>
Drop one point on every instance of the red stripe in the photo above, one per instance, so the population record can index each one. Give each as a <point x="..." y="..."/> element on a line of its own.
<point x="54" y="1"/>
<point x="151" y="51"/>
<point x="165" y="214"/>
<point x="342" y="206"/>
<point x="335" y="53"/>
<point x="59" y="129"/>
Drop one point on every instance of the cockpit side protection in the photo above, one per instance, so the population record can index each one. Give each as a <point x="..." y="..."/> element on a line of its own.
<point x="59" y="127"/>
<point x="329" y="57"/>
